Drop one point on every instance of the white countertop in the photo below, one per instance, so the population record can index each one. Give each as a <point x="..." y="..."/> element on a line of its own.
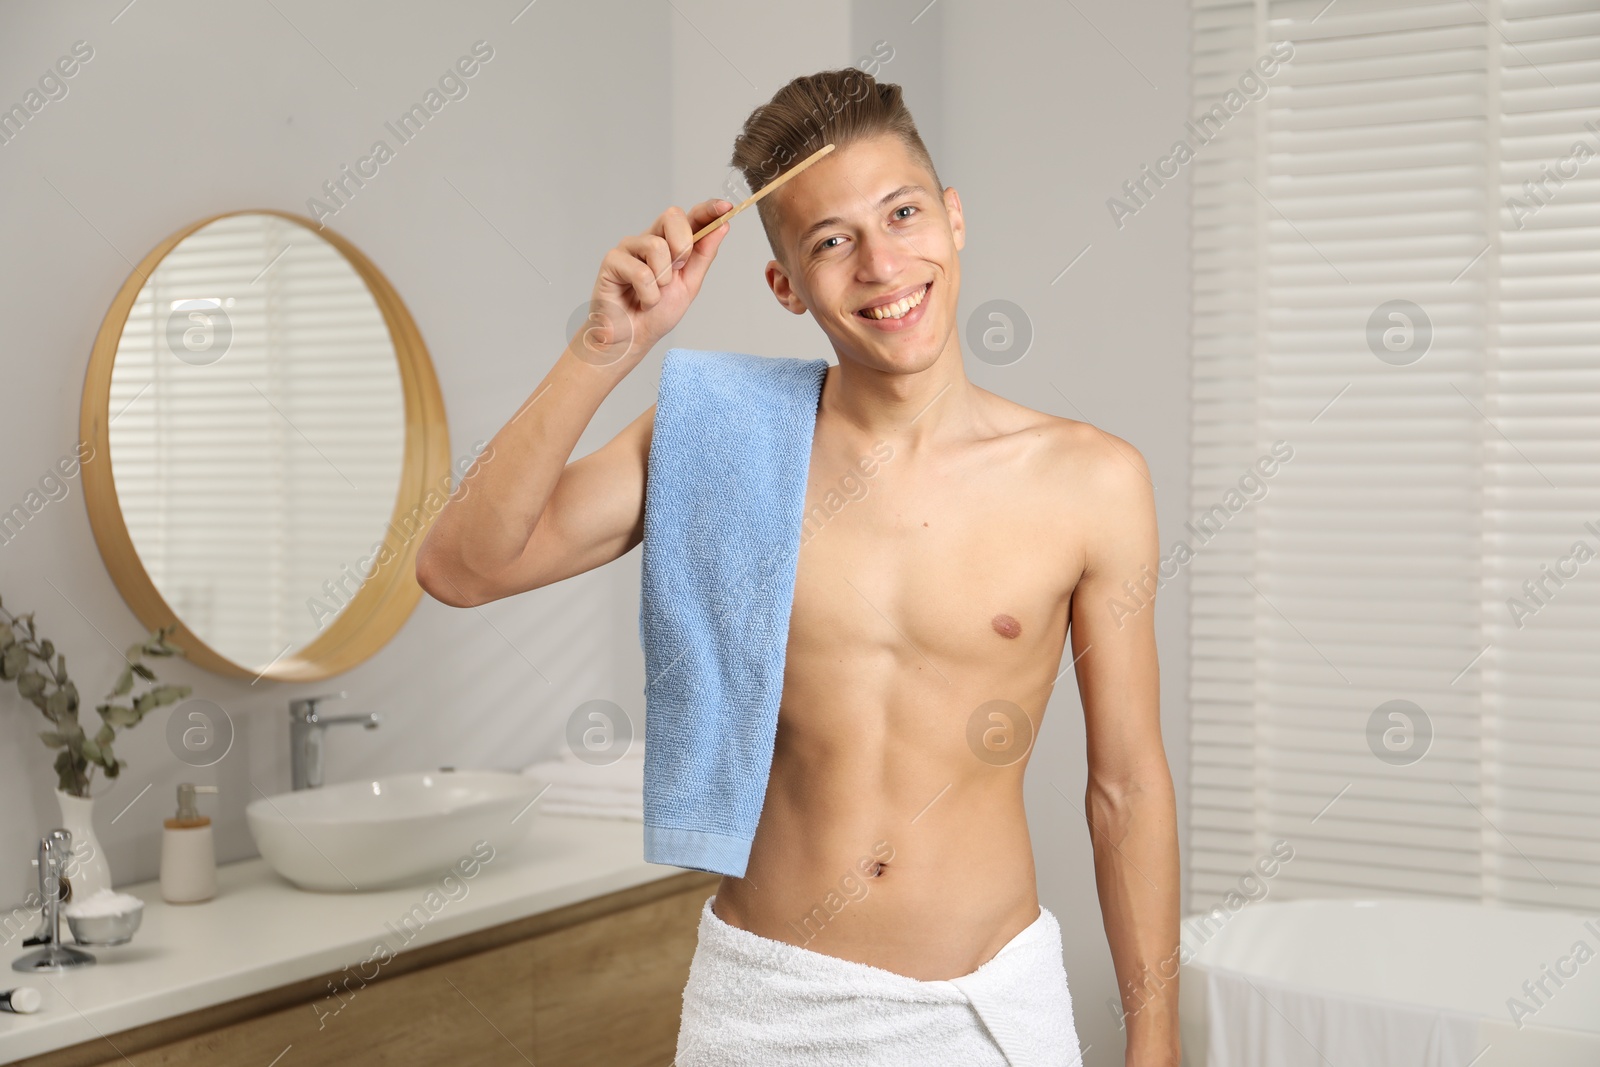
<point x="260" y="931"/>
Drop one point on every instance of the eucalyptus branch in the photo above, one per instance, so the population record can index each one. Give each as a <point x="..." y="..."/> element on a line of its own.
<point x="52" y="691"/>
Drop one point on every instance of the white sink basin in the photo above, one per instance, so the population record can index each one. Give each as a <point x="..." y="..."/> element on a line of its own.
<point x="388" y="831"/>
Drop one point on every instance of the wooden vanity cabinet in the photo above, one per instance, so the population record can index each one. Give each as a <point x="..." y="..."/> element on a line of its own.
<point x="595" y="983"/>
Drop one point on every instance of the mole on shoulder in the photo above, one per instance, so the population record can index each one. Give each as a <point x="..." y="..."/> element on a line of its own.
<point x="1006" y="626"/>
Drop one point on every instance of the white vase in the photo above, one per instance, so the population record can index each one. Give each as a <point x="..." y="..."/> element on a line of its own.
<point x="88" y="868"/>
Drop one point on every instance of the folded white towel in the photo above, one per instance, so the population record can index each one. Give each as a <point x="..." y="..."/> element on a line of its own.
<point x="611" y="798"/>
<point x="751" y="999"/>
<point x="632" y="813"/>
<point x="625" y="773"/>
<point x="613" y="790"/>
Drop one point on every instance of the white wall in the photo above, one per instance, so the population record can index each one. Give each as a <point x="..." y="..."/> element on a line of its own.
<point x="589" y="121"/>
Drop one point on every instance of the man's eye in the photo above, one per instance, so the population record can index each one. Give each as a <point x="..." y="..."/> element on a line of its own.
<point x="825" y="241"/>
<point x="907" y="207"/>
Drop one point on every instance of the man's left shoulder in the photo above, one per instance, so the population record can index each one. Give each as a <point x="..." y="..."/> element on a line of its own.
<point x="1083" y="454"/>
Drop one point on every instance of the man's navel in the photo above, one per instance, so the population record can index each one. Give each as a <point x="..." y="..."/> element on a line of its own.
<point x="1006" y="626"/>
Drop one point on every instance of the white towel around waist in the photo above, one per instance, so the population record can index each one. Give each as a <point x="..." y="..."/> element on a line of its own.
<point x="751" y="999"/>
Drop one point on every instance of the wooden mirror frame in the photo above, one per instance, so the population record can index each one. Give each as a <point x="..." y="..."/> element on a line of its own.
<point x="386" y="599"/>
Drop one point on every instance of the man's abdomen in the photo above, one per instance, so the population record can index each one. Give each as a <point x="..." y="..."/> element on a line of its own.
<point x="923" y="867"/>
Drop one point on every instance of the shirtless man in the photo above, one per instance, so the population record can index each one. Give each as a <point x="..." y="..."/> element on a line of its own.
<point x="947" y="586"/>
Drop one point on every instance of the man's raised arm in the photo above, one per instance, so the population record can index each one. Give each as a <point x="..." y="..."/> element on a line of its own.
<point x="1129" y="803"/>
<point x="523" y="516"/>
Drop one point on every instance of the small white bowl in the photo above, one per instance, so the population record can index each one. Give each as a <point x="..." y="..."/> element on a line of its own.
<point x="106" y="929"/>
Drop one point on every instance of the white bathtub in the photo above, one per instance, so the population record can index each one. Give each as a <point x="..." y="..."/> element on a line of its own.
<point x="1389" y="983"/>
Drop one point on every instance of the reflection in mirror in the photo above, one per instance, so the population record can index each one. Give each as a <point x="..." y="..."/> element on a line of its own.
<point x="257" y="433"/>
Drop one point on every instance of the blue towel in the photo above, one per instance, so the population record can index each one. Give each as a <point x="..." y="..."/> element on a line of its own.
<point x="724" y="500"/>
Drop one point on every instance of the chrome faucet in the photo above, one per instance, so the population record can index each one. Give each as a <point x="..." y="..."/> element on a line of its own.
<point x="55" y="857"/>
<point x="306" y="729"/>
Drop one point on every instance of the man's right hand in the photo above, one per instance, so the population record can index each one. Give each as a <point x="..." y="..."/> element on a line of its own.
<point x="528" y="517"/>
<point x="642" y="291"/>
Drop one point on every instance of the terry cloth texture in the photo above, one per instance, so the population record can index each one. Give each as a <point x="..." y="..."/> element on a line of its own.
<point x="724" y="499"/>
<point x="751" y="1000"/>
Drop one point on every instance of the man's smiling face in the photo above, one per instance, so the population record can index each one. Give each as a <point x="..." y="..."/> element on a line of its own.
<point x="866" y="227"/>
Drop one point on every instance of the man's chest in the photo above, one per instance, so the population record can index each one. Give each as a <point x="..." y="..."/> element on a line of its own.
<point x="938" y="567"/>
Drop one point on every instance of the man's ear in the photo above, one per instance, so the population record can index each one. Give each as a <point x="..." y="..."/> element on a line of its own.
<point x="958" y="224"/>
<point x="778" y="281"/>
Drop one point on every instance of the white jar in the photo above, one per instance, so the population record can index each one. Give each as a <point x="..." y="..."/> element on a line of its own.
<point x="188" y="856"/>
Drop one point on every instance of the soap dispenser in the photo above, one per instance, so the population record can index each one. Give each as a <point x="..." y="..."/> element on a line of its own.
<point x="188" y="857"/>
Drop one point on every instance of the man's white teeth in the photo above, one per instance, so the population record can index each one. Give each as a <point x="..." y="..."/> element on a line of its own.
<point x="899" y="307"/>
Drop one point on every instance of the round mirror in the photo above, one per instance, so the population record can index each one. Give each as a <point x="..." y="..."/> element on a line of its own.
<point x="264" y="447"/>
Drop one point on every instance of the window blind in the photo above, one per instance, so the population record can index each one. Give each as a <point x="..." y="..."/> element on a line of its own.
<point x="1377" y="292"/>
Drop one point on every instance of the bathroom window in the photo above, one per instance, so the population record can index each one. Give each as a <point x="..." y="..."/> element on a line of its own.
<point x="1394" y="545"/>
